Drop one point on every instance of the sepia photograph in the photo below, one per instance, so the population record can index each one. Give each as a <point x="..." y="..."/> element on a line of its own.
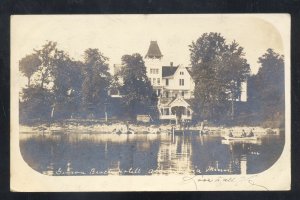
<point x="122" y="102"/>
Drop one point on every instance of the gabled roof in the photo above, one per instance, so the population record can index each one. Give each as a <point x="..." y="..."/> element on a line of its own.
<point x="153" y="51"/>
<point x="190" y="71"/>
<point x="179" y="100"/>
<point x="168" y="71"/>
<point x="169" y="101"/>
<point x="166" y="101"/>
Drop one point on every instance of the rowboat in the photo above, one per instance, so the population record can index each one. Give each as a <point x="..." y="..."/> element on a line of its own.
<point x="240" y="138"/>
<point x="228" y="142"/>
<point x="123" y="132"/>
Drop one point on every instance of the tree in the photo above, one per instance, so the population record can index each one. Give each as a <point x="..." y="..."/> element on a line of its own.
<point x="138" y="94"/>
<point x="46" y="55"/>
<point x="218" y="69"/>
<point x="235" y="71"/>
<point x="96" y="81"/>
<point x="268" y="87"/>
<point x="67" y="81"/>
<point x="29" y="65"/>
<point x="75" y="91"/>
<point x="56" y="90"/>
<point x="36" y="104"/>
<point x="206" y="56"/>
<point x="38" y="98"/>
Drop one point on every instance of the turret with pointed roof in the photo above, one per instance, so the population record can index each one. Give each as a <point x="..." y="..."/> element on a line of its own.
<point x="154" y="51"/>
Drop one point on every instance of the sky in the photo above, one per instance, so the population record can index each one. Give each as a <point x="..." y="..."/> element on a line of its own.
<point x="117" y="35"/>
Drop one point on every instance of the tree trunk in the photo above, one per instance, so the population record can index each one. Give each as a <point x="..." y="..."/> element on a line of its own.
<point x="232" y="109"/>
<point x="42" y="84"/>
<point x="232" y="105"/>
<point x="28" y="84"/>
<point x="52" y="112"/>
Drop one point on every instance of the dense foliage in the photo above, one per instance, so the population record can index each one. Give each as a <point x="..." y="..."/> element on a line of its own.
<point x="96" y="82"/>
<point x="266" y="90"/>
<point x="63" y="87"/>
<point x="60" y="87"/>
<point x="29" y="65"/>
<point x="218" y="70"/>
<point x="139" y="96"/>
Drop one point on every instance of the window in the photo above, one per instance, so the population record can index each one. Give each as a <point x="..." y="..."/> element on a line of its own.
<point x="154" y="81"/>
<point x="167" y="81"/>
<point x="167" y="94"/>
<point x="188" y="113"/>
<point x="182" y="93"/>
<point x="181" y="73"/>
<point x="150" y="80"/>
<point x="181" y="81"/>
<point x="158" y="81"/>
<point x="152" y="71"/>
<point x="166" y="111"/>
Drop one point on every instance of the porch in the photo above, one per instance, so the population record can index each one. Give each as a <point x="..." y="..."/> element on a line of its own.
<point x="180" y="113"/>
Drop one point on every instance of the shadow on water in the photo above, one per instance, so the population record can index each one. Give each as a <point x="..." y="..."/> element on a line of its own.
<point x="147" y="154"/>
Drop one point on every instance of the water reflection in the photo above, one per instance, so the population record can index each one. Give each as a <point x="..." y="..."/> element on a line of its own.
<point x="147" y="154"/>
<point x="174" y="156"/>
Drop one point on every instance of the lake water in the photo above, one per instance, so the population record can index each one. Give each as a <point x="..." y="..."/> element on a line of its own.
<point x="147" y="154"/>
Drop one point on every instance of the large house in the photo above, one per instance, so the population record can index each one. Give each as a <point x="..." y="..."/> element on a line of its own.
<point x="173" y="85"/>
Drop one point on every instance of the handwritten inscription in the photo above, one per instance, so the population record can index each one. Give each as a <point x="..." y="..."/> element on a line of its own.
<point x="222" y="179"/>
<point x="133" y="171"/>
<point x="197" y="180"/>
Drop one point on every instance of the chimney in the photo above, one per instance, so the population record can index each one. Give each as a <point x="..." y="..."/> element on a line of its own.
<point x="171" y="64"/>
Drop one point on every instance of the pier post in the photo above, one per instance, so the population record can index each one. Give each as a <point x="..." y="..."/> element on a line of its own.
<point x="173" y="133"/>
<point x="243" y="165"/>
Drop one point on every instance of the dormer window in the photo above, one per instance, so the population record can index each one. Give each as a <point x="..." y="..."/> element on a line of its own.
<point x="154" y="71"/>
<point x="181" y="73"/>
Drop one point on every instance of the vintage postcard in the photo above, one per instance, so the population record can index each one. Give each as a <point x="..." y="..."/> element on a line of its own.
<point x="173" y="102"/>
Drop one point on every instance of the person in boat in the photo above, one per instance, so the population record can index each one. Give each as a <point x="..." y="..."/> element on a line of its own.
<point x="244" y="133"/>
<point x="251" y="134"/>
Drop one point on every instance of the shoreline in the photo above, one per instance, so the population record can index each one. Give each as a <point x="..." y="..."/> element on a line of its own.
<point x="140" y="129"/>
